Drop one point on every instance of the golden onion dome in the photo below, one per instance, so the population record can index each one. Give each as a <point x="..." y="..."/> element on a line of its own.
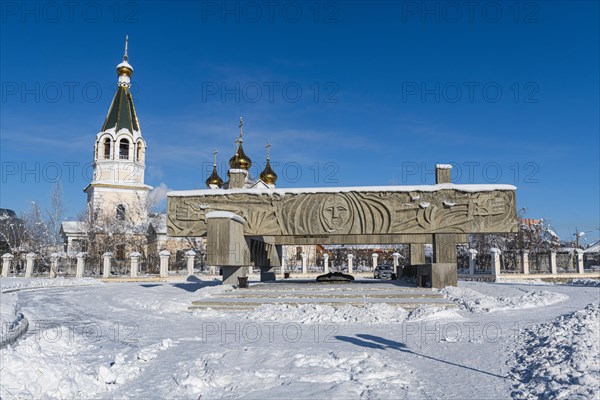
<point x="240" y="160"/>
<point x="214" y="179"/>
<point x="268" y="176"/>
<point x="124" y="68"/>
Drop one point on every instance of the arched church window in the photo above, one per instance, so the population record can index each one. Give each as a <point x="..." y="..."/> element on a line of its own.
<point x="124" y="149"/>
<point x="107" y="148"/>
<point x="121" y="212"/>
<point x="139" y="151"/>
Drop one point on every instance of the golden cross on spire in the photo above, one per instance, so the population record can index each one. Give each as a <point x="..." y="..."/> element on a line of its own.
<point x="215" y="157"/>
<point x="241" y="126"/>
<point x="268" y="146"/>
<point x="126" y="43"/>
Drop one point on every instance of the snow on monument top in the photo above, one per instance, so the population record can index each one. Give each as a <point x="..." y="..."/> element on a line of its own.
<point x="282" y="192"/>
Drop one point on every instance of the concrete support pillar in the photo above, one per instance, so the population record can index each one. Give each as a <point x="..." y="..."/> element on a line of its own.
<point x="228" y="249"/>
<point x="553" y="267"/>
<point x="495" y="261"/>
<point x="444" y="248"/>
<point x="80" y="264"/>
<point x="579" y="260"/>
<point x="350" y="261"/>
<point x="525" y="262"/>
<point x="134" y="264"/>
<point x="190" y="256"/>
<point x="304" y="263"/>
<point x="107" y="258"/>
<point x="164" y="263"/>
<point x="29" y="265"/>
<point x="326" y="263"/>
<point x="7" y="260"/>
<point x="396" y="262"/>
<point x="54" y="257"/>
<point x="472" y="261"/>
<point x="213" y="270"/>
<point x="443" y="266"/>
<point x="375" y="256"/>
<point x="416" y="253"/>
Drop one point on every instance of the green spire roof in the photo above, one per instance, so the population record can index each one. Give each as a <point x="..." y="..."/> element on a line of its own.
<point x="122" y="112"/>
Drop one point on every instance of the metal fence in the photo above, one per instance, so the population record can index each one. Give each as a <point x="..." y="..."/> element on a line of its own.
<point x="539" y="263"/>
<point x="510" y="262"/>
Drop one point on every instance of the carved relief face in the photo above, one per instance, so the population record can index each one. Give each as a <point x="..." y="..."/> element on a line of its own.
<point x="336" y="214"/>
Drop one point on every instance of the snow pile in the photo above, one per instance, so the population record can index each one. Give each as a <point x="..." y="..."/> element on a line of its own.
<point x="120" y="371"/>
<point x="210" y="291"/>
<point x="159" y="305"/>
<point x="584" y="282"/>
<point x="377" y="313"/>
<point x="256" y="373"/>
<point x="476" y="302"/>
<point x="560" y="359"/>
<point x="46" y="368"/>
<point x="57" y="366"/>
<point x="14" y="323"/>
<point x="423" y="313"/>
<point x="316" y="313"/>
<point x="13" y="284"/>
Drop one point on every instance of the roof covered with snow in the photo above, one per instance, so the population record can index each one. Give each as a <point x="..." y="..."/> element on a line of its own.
<point x="414" y="188"/>
<point x="595" y="248"/>
<point x="73" y="227"/>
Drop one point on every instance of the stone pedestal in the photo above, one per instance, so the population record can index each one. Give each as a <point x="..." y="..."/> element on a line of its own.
<point x="54" y="257"/>
<point x="304" y="263"/>
<point x="350" y="263"/>
<point x="472" y="261"/>
<point x="107" y="259"/>
<point x="375" y="256"/>
<point x="190" y="256"/>
<point x="579" y="260"/>
<point x="80" y="264"/>
<point x="134" y="262"/>
<point x="284" y="260"/>
<point x="326" y="263"/>
<point x="496" y="267"/>
<point x="438" y="275"/>
<point x="164" y="263"/>
<point x="29" y="264"/>
<point x="525" y="262"/>
<point x="7" y="260"/>
<point x="553" y="267"/>
<point x="396" y="257"/>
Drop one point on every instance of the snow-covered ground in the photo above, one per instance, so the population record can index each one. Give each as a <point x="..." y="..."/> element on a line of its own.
<point x="139" y="340"/>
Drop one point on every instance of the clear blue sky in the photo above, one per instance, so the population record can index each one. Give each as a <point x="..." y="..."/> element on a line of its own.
<point x="348" y="93"/>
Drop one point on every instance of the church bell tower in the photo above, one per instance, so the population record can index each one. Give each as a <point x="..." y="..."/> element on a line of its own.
<point x="118" y="189"/>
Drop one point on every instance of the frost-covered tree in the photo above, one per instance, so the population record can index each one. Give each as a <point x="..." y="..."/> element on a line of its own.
<point x="55" y="214"/>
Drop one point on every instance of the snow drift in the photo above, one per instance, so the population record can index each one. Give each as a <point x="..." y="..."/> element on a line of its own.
<point x="475" y="302"/>
<point x="560" y="359"/>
